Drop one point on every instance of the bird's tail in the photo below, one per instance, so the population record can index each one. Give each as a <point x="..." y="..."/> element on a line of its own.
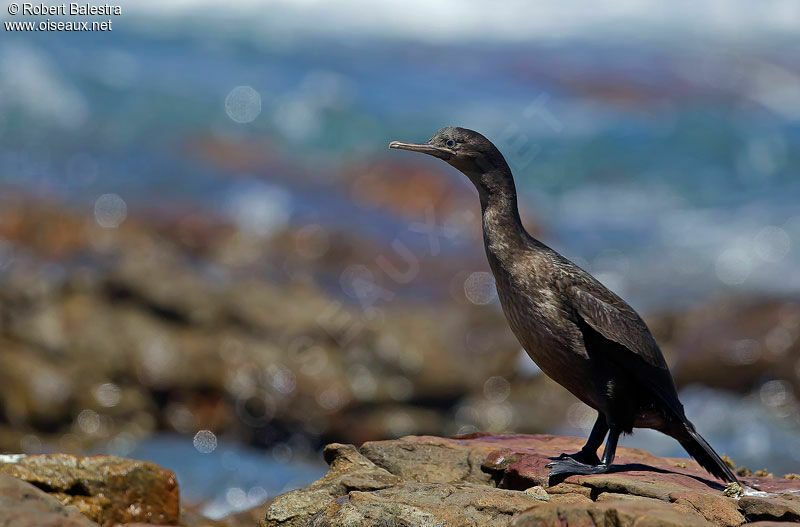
<point x="701" y="451"/>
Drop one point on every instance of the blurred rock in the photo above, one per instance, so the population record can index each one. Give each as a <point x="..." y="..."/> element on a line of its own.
<point x="416" y="191"/>
<point x="123" y="332"/>
<point x="481" y="480"/>
<point x="735" y="344"/>
<point x="247" y="518"/>
<point x="181" y="322"/>
<point x="106" y="489"/>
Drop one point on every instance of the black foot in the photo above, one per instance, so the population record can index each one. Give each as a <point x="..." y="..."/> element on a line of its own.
<point x="587" y="458"/>
<point x="563" y="468"/>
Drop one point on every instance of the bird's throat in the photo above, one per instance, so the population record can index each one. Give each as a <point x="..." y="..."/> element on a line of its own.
<point x="502" y="226"/>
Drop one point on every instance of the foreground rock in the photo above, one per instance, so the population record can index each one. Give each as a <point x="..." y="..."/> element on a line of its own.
<point x="502" y="480"/>
<point x="23" y="505"/>
<point x="105" y="489"/>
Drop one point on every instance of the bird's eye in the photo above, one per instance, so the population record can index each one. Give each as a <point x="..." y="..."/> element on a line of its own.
<point x="450" y="143"/>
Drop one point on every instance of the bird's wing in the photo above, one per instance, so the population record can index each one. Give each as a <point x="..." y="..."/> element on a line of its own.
<point x="615" y="320"/>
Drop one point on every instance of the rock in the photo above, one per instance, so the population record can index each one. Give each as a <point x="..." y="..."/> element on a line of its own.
<point x="733" y="344"/>
<point x="350" y="470"/>
<point x="23" y="505"/>
<point x="248" y="518"/>
<point x="156" y="326"/>
<point x="538" y="492"/>
<point x="426" y="504"/>
<point x="715" y="508"/>
<point x="610" y="513"/>
<point x="502" y="480"/>
<point x="781" y="508"/>
<point x="106" y="489"/>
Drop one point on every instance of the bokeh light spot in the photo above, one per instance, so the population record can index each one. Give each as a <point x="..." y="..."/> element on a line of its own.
<point x="88" y="422"/>
<point x="772" y="244"/>
<point x="205" y="441"/>
<point x="243" y="104"/>
<point x="107" y="394"/>
<point x="733" y="266"/>
<point x="479" y="288"/>
<point x="110" y="211"/>
<point x="496" y="389"/>
<point x="236" y="497"/>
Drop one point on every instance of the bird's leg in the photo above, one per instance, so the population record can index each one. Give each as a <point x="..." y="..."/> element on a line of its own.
<point x="611" y="448"/>
<point x="588" y="454"/>
<point x="562" y="468"/>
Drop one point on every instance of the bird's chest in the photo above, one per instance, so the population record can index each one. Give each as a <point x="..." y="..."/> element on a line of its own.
<point x="538" y="317"/>
<point x="534" y="309"/>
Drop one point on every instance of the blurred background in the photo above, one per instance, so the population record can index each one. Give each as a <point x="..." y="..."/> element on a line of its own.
<point x="209" y="258"/>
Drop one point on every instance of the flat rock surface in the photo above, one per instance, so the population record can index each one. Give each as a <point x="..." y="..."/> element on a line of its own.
<point x="105" y="489"/>
<point x="502" y="480"/>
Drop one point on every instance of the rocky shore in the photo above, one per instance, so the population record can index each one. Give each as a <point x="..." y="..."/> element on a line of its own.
<point x="502" y="480"/>
<point x="179" y="323"/>
<point x="419" y="481"/>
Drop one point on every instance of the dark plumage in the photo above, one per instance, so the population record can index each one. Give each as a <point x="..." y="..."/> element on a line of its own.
<point x="579" y="333"/>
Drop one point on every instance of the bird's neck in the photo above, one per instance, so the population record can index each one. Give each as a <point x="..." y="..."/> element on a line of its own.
<point x="502" y="227"/>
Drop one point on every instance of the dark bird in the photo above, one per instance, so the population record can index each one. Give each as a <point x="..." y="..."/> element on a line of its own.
<point x="577" y="331"/>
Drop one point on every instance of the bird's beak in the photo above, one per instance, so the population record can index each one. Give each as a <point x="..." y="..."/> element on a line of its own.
<point x="425" y="148"/>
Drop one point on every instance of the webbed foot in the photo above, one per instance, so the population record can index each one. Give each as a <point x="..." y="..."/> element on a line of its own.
<point x="587" y="458"/>
<point x="569" y="466"/>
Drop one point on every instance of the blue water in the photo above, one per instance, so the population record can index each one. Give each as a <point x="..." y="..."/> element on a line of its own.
<point x="657" y="157"/>
<point x="753" y="430"/>
<point x="232" y="477"/>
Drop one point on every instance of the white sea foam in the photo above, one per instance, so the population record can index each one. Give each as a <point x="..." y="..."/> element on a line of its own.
<point x="11" y="458"/>
<point x="29" y="80"/>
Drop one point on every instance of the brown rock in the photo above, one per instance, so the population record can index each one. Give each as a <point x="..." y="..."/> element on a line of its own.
<point x="487" y="480"/>
<point x="733" y="344"/>
<point x="426" y="504"/>
<point x="714" y="507"/>
<point x="628" y="512"/>
<point x="349" y="471"/>
<point x="106" y="489"/>
<point x="784" y="508"/>
<point x="23" y="505"/>
<point x="429" y="459"/>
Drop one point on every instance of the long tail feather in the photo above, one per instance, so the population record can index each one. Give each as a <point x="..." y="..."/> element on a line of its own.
<point x="701" y="451"/>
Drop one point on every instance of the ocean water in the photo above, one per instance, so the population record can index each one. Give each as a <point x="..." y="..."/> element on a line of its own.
<point x="665" y="163"/>
<point x="229" y="477"/>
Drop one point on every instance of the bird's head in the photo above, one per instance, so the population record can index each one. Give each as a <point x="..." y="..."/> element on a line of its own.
<point x="468" y="151"/>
